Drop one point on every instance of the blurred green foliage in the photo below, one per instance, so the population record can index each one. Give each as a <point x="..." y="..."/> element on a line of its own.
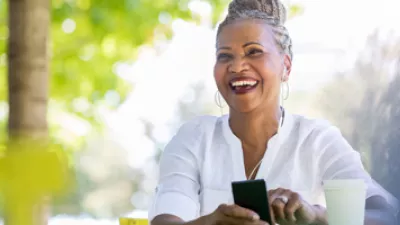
<point x="88" y="38"/>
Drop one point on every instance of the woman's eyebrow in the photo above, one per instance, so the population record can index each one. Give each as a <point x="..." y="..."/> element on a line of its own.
<point x="252" y="43"/>
<point x="245" y="45"/>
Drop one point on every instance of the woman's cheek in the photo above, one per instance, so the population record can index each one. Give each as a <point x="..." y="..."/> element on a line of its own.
<point x="219" y="74"/>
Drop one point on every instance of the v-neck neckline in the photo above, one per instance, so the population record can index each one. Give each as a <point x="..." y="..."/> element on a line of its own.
<point x="273" y="146"/>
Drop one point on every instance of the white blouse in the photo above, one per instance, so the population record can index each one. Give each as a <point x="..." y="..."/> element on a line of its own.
<point x="204" y="157"/>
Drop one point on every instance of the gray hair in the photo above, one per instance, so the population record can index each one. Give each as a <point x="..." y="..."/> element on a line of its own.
<point x="273" y="12"/>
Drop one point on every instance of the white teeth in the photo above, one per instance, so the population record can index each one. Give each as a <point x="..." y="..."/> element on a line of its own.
<point x="243" y="83"/>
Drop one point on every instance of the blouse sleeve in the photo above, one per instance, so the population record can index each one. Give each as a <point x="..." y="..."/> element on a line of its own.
<point x="338" y="160"/>
<point x="177" y="192"/>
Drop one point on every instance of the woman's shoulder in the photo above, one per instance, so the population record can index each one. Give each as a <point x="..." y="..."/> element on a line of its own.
<point x="200" y="124"/>
<point x="197" y="130"/>
<point x="315" y="128"/>
<point x="319" y="137"/>
<point x="311" y="123"/>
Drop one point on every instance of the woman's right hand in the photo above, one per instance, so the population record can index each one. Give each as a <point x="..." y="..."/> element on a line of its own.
<point x="233" y="215"/>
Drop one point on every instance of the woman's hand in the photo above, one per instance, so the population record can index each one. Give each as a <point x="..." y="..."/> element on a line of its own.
<point x="233" y="215"/>
<point x="288" y="208"/>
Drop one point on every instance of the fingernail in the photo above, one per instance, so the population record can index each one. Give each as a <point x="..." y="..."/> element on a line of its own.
<point x="256" y="217"/>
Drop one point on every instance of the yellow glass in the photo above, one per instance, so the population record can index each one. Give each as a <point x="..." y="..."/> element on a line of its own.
<point x="133" y="221"/>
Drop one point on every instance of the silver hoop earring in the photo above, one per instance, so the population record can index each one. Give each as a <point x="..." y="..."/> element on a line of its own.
<point x="218" y="101"/>
<point x="286" y="91"/>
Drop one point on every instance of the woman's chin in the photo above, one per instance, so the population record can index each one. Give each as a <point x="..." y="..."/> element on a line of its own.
<point x="244" y="107"/>
<point x="244" y="103"/>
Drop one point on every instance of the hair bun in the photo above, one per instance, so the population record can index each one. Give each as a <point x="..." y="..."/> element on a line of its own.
<point x="273" y="8"/>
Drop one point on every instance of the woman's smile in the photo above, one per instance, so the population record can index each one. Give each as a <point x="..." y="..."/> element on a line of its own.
<point x="243" y="85"/>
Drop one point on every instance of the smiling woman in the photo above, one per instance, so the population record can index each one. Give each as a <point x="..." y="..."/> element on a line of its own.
<point x="250" y="56"/>
<point x="258" y="139"/>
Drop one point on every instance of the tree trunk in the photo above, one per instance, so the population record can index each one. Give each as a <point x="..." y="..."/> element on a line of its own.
<point x="28" y="80"/>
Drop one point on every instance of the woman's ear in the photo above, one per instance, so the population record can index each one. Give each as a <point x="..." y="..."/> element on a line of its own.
<point x="287" y="68"/>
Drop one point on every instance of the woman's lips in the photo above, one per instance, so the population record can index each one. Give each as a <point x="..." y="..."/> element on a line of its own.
<point x="243" y="85"/>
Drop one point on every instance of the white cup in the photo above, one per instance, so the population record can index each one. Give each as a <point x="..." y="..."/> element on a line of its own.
<point x="345" y="201"/>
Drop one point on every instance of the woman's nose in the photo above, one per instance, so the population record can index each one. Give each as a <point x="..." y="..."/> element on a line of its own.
<point x="238" y="65"/>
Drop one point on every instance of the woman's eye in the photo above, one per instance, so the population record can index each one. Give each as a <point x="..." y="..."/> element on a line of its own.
<point x="254" y="52"/>
<point x="223" y="57"/>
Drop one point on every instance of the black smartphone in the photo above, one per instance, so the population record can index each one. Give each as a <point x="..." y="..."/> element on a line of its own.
<point x="252" y="194"/>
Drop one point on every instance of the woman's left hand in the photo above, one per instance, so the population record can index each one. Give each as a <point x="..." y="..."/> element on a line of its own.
<point x="289" y="208"/>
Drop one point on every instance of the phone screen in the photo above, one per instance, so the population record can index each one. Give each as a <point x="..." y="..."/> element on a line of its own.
<point x="252" y="194"/>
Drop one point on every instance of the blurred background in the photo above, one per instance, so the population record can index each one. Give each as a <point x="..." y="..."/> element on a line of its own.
<point x="125" y="74"/>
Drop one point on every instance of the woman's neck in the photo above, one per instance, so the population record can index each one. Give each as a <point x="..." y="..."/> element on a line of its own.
<point x="254" y="129"/>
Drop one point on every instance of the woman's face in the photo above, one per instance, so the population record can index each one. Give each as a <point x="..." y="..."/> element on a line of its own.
<point x="249" y="66"/>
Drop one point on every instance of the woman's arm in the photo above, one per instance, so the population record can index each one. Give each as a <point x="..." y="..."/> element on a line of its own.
<point x="224" y="214"/>
<point x="166" y="219"/>
<point x="177" y="193"/>
<point x="379" y="212"/>
<point x="338" y="160"/>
